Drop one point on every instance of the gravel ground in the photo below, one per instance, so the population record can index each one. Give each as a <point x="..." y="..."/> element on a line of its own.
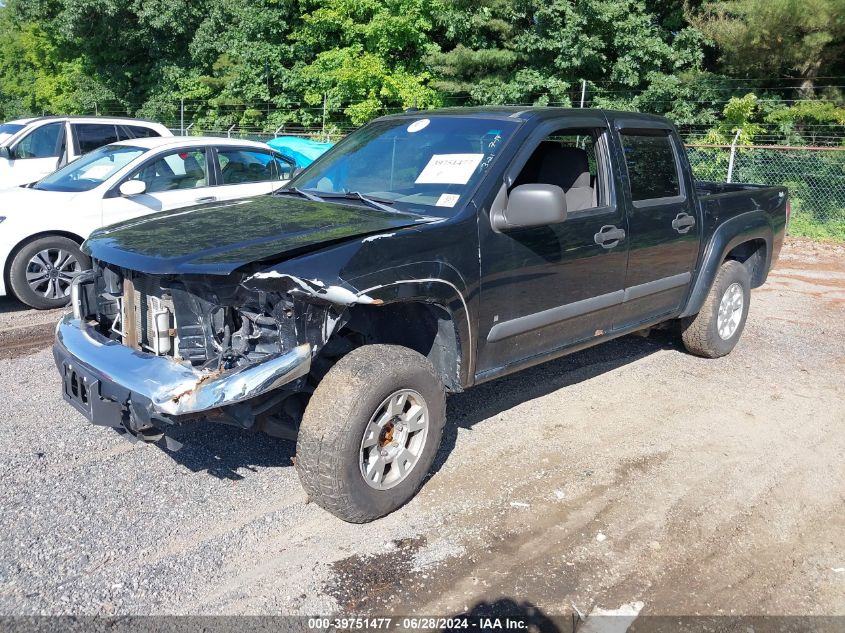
<point x="629" y="472"/>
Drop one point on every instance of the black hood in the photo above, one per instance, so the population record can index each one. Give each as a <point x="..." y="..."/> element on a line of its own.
<point x="219" y="238"/>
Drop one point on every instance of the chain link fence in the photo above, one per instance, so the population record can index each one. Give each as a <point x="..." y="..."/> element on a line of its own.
<point x="815" y="177"/>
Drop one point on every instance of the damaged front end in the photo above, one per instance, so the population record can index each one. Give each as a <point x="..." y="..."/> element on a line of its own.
<point x="144" y="351"/>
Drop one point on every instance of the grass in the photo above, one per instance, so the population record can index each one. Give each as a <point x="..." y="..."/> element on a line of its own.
<point x="804" y="225"/>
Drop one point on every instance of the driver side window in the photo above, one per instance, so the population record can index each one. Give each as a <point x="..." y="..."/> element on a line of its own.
<point x="185" y="169"/>
<point x="47" y="141"/>
<point x="572" y="160"/>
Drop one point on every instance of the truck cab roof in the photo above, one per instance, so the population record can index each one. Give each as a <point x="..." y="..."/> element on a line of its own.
<point x="533" y="113"/>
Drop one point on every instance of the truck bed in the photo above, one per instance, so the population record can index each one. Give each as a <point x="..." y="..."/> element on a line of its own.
<point x="706" y="188"/>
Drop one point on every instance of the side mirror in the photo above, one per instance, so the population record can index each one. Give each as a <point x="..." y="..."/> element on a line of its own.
<point x="528" y="205"/>
<point x="5" y="152"/>
<point x="132" y="188"/>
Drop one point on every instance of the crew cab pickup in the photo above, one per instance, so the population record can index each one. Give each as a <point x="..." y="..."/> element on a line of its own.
<point x="424" y="254"/>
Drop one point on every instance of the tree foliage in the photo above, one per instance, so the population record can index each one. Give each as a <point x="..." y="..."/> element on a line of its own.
<point x="269" y="63"/>
<point x="777" y="37"/>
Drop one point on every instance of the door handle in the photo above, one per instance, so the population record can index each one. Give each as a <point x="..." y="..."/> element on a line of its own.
<point x="683" y="222"/>
<point x="609" y="236"/>
<point x="206" y="199"/>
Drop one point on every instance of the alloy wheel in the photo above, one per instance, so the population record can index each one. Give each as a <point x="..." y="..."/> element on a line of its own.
<point x="394" y="439"/>
<point x="51" y="271"/>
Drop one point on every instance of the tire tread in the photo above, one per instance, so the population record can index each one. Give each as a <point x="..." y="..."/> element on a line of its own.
<point x="323" y="434"/>
<point x="697" y="330"/>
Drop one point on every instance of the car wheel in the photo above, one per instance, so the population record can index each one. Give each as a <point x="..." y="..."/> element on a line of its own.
<point x="716" y="329"/>
<point x="42" y="271"/>
<point x="370" y="432"/>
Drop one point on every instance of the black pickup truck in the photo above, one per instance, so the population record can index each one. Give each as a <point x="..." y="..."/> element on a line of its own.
<point x="426" y="253"/>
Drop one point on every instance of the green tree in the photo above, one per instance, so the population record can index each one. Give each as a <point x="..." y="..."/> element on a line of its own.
<point x="803" y="38"/>
<point x="364" y="56"/>
<point x="739" y="121"/>
<point x="533" y="51"/>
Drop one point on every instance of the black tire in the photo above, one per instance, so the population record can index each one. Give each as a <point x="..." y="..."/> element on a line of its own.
<point x="700" y="332"/>
<point x="329" y="445"/>
<point x="45" y="296"/>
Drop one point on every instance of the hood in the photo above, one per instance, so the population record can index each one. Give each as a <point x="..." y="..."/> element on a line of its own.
<point x="219" y="238"/>
<point x="19" y="201"/>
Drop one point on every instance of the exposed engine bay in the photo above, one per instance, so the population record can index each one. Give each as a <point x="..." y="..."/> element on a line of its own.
<point x="217" y="326"/>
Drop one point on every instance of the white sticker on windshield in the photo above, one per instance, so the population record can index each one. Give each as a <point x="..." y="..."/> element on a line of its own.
<point x="449" y="169"/>
<point x="416" y="126"/>
<point x="447" y="200"/>
<point x="96" y="172"/>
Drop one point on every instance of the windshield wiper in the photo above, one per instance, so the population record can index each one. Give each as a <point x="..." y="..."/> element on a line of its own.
<point x="304" y="194"/>
<point x="357" y="195"/>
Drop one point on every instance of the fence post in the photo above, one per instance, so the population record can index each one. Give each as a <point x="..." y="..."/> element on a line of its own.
<point x="229" y="131"/>
<point x="325" y="104"/>
<point x="188" y="129"/>
<point x="733" y="155"/>
<point x="583" y="91"/>
<point x="181" y="117"/>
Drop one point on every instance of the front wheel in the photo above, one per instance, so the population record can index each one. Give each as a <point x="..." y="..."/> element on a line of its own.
<point x="370" y="432"/>
<point x="716" y="329"/>
<point x="42" y="271"/>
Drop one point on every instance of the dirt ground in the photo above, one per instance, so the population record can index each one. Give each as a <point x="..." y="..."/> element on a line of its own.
<point x="632" y="472"/>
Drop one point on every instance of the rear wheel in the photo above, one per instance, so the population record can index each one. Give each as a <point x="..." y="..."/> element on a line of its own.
<point x="42" y="271"/>
<point x="370" y="432"/>
<point x="716" y="329"/>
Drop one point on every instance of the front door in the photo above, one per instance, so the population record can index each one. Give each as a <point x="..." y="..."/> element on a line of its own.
<point x="663" y="227"/>
<point x="548" y="287"/>
<point x="36" y="155"/>
<point x="173" y="180"/>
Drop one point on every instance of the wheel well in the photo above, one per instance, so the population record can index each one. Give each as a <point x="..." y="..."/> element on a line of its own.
<point x="8" y="266"/>
<point x="752" y="255"/>
<point x="426" y="328"/>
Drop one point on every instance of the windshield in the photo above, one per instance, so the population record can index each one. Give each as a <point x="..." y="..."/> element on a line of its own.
<point x="10" y="128"/>
<point x="91" y="170"/>
<point x="431" y="163"/>
<point x="7" y="130"/>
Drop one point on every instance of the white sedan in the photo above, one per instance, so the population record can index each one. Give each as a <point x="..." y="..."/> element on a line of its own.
<point x="43" y="225"/>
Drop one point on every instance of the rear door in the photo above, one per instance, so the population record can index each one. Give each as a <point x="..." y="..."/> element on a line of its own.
<point x="548" y="287"/>
<point x="662" y="222"/>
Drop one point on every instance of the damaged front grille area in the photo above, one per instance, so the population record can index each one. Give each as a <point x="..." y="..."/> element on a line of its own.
<point x="210" y="323"/>
<point x="143" y="315"/>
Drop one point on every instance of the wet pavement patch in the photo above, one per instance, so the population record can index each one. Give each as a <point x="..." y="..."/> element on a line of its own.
<point x="373" y="580"/>
<point x="24" y="340"/>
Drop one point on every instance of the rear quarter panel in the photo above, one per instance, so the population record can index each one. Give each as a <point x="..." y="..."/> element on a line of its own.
<point x="731" y="215"/>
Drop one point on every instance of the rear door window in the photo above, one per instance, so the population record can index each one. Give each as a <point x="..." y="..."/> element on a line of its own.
<point x="239" y="166"/>
<point x="46" y="141"/>
<point x="652" y="166"/>
<point x="90" y="136"/>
